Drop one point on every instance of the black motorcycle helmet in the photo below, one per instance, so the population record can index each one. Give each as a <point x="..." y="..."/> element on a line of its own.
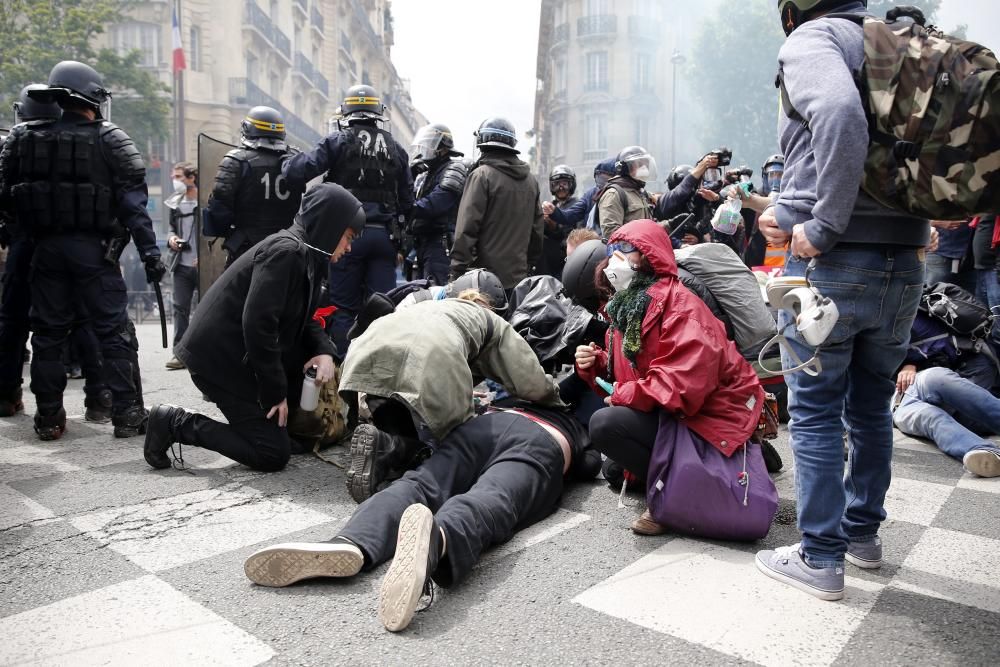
<point x="562" y="172"/>
<point x="27" y="108"/>
<point x="496" y="133"/>
<point x="796" y="12"/>
<point x="578" y="273"/>
<point x="76" y="81"/>
<point x="678" y="174"/>
<point x="483" y="281"/>
<point x="263" y="123"/>
<point x="362" y="101"/>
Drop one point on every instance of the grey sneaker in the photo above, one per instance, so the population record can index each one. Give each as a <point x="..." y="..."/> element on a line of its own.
<point x="785" y="564"/>
<point x="284" y="564"/>
<point x="982" y="462"/>
<point x="866" y="555"/>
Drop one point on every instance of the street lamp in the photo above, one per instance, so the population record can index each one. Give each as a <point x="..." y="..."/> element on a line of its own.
<point x="676" y="60"/>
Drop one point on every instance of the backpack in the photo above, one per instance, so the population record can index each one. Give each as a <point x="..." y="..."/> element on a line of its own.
<point x="957" y="309"/>
<point x="325" y="425"/>
<point x="931" y="102"/>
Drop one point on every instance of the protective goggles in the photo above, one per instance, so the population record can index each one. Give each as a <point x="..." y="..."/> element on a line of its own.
<point x="623" y="247"/>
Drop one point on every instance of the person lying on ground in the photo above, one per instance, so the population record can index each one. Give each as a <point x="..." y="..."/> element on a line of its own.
<point x="491" y="476"/>
<point x="254" y="335"/>
<point x="665" y="350"/>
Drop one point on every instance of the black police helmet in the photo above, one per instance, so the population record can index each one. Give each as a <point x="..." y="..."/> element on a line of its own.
<point x="263" y="123"/>
<point x="497" y="133"/>
<point x="362" y="101"/>
<point x="27" y="108"/>
<point x="578" y="273"/>
<point x="562" y="172"/>
<point x="625" y="156"/>
<point x="484" y="282"/>
<point x="74" y="80"/>
<point x="678" y="174"/>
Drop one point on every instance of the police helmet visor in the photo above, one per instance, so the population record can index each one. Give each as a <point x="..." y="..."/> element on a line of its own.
<point x="426" y="143"/>
<point x="772" y="176"/>
<point x="642" y="168"/>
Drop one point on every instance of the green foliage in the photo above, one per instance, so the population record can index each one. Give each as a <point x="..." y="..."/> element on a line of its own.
<point x="36" y="34"/>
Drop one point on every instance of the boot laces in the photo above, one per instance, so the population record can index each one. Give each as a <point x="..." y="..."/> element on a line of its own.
<point x="427" y="593"/>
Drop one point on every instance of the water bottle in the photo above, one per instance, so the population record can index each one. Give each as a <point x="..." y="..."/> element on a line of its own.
<point x="310" y="391"/>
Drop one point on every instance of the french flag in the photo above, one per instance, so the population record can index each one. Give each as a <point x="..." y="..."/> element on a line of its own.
<point x="179" y="62"/>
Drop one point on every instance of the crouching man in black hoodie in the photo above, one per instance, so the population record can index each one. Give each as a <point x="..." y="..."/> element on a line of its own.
<point x="254" y="336"/>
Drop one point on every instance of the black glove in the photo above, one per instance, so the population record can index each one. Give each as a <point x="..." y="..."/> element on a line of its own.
<point x="155" y="270"/>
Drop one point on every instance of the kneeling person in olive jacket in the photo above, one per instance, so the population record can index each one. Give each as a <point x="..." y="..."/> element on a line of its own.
<point x="254" y="335"/>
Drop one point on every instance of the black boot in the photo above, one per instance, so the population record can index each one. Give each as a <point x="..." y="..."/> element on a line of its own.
<point x="167" y="424"/>
<point x="50" y="424"/>
<point x="11" y="403"/>
<point x="130" y="422"/>
<point x="377" y="457"/>
<point x="97" y="407"/>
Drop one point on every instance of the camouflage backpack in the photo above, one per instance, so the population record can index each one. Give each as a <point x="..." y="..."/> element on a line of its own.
<point x="933" y="108"/>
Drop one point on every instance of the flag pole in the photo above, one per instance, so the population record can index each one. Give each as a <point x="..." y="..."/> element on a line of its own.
<point x="179" y="86"/>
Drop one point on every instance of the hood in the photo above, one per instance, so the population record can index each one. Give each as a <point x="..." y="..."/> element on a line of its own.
<point x="327" y="211"/>
<point x="607" y="166"/>
<point x="653" y="242"/>
<point x="506" y="162"/>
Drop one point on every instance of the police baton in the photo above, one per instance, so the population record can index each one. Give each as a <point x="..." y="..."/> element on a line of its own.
<point x="163" y="316"/>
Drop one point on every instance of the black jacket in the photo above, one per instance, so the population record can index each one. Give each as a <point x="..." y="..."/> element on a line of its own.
<point x="254" y="330"/>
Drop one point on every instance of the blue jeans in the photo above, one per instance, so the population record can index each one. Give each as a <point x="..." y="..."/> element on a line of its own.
<point x="988" y="291"/>
<point x="370" y="267"/>
<point x="944" y="407"/>
<point x="939" y="270"/>
<point x="876" y="290"/>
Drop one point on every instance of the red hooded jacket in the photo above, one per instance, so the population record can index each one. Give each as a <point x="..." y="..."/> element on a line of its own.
<point x="686" y="365"/>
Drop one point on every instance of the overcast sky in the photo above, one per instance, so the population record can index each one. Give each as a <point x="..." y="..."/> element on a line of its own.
<point x="471" y="59"/>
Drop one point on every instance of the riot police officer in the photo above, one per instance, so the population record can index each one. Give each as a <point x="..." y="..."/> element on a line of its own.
<point x="562" y="187"/>
<point x="438" y="189"/>
<point x="15" y="297"/>
<point x="72" y="184"/>
<point x="362" y="157"/>
<point x="251" y="198"/>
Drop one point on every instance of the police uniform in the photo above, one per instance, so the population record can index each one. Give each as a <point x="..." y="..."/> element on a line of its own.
<point x="368" y="162"/>
<point x="70" y="185"/>
<point x="438" y="193"/>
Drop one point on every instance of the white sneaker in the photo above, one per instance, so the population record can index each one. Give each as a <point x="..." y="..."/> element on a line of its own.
<point x="284" y="564"/>
<point x="982" y="462"/>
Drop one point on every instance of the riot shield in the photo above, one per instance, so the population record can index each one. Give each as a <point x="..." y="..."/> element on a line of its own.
<point x="211" y="256"/>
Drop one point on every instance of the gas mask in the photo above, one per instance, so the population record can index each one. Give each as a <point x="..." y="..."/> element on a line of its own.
<point x="815" y="316"/>
<point x="619" y="272"/>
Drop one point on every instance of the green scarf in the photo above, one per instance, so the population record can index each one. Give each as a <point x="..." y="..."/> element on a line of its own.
<point x="627" y="309"/>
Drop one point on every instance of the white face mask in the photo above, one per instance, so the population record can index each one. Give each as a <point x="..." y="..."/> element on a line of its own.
<point x="619" y="272"/>
<point x="641" y="173"/>
<point x="179" y="187"/>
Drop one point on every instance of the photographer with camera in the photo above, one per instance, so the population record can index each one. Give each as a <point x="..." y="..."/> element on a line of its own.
<point x="183" y="244"/>
<point x="684" y="183"/>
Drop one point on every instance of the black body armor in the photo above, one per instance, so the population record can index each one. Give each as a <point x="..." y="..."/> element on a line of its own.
<point x="369" y="167"/>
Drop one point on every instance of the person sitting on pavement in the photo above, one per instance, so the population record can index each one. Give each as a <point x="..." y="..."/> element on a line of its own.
<point x="254" y="335"/>
<point x="665" y="351"/>
<point x="945" y="395"/>
<point x="491" y="476"/>
<point x="418" y="367"/>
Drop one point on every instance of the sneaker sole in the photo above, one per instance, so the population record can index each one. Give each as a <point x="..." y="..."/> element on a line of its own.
<point x="864" y="564"/>
<point x="359" y="475"/>
<point x="982" y="463"/>
<point x="285" y="564"/>
<point x="403" y="584"/>
<point x="830" y="596"/>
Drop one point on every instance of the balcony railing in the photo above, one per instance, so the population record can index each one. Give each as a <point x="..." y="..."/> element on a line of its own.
<point x="643" y="27"/>
<point x="316" y="19"/>
<point x="305" y="67"/>
<point x="282" y="43"/>
<point x="560" y="33"/>
<point x="591" y="86"/>
<point x="257" y="18"/>
<point x="301" y="5"/>
<point x="599" y="24"/>
<point x="245" y="93"/>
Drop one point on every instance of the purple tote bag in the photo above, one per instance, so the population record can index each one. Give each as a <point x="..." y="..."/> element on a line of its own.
<point x="694" y="489"/>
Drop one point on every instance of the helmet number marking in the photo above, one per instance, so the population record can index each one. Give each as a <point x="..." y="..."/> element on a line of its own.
<point x="280" y="189"/>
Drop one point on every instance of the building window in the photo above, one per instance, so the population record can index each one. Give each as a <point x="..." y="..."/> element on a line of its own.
<point x="275" y="85"/>
<point x="275" y="6"/>
<point x="559" y="14"/>
<point x="597" y="133"/>
<point x="641" y="130"/>
<point x="253" y="68"/>
<point x="195" y="49"/>
<point x="559" y="77"/>
<point x="596" y="7"/>
<point x="142" y="37"/>
<point x="298" y="37"/>
<point x="597" y="70"/>
<point x="297" y="104"/>
<point x="642" y="74"/>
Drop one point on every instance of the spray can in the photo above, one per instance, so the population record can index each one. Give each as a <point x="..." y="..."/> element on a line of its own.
<point x="310" y="391"/>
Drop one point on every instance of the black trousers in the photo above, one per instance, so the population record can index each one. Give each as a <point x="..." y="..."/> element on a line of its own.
<point x="492" y="476"/>
<point x="625" y="436"/>
<point x="15" y="302"/>
<point x="432" y="256"/>
<point x="69" y="273"/>
<point x="185" y="284"/>
<point x="249" y="438"/>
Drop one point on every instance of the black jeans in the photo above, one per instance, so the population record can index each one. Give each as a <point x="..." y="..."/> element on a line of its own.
<point x="491" y="477"/>
<point x="249" y="438"/>
<point x="625" y="436"/>
<point x="185" y="284"/>
<point x="15" y="301"/>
